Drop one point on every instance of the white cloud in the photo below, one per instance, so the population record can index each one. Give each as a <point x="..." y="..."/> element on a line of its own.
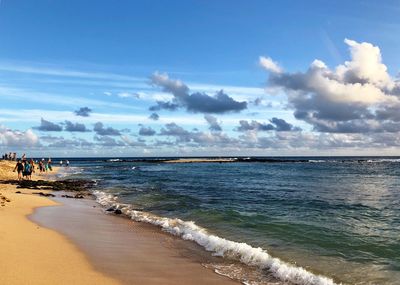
<point x="357" y="96"/>
<point x="127" y="95"/>
<point x="365" y="65"/>
<point x="14" y="138"/>
<point x="270" y="65"/>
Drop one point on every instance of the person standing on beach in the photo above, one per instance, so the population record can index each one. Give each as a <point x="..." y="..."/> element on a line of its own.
<point x="32" y="170"/>
<point x="20" y="168"/>
<point x="41" y="167"/>
<point x="61" y="163"/>
<point x="67" y="163"/>
<point x="49" y="165"/>
<point x="27" y="170"/>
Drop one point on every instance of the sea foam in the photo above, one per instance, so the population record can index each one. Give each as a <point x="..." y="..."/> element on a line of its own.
<point x="243" y="252"/>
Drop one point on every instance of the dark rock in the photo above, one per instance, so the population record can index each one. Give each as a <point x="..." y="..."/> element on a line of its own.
<point x="118" y="212"/>
<point x="18" y="192"/>
<point x="58" y="185"/>
<point x="45" y="194"/>
<point x="112" y="209"/>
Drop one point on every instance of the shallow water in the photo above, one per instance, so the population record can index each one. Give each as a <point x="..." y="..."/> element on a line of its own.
<point x="336" y="217"/>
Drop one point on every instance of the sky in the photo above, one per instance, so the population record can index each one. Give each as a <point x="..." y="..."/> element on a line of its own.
<point x="199" y="78"/>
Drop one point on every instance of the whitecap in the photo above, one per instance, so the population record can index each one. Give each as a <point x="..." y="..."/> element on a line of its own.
<point x="242" y="252"/>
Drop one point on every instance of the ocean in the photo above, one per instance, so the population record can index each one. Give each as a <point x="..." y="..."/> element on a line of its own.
<point x="308" y="220"/>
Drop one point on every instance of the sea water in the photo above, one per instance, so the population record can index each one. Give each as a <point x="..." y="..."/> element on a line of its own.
<point x="298" y="221"/>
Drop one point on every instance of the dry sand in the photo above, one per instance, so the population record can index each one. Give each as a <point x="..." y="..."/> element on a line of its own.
<point x="34" y="255"/>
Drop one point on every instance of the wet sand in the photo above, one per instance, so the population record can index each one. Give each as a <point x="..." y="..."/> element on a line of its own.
<point x="72" y="241"/>
<point x="132" y="252"/>
<point x="31" y="254"/>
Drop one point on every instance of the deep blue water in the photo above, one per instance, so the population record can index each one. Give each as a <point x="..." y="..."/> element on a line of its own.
<point x="338" y="217"/>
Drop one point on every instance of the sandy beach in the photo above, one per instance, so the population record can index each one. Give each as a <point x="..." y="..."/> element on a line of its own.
<point x="71" y="241"/>
<point x="32" y="254"/>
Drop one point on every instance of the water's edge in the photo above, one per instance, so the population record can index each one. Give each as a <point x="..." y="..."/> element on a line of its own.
<point x="242" y="252"/>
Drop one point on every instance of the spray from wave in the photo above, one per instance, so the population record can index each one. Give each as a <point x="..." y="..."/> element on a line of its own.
<point x="67" y="171"/>
<point x="243" y="252"/>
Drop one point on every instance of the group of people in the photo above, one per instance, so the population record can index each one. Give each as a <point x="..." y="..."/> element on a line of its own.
<point x="25" y="167"/>
<point x="10" y="156"/>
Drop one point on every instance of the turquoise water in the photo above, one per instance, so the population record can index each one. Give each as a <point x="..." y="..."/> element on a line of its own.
<point x="335" y="217"/>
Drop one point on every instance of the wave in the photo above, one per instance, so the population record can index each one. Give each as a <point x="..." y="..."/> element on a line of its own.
<point x="242" y="252"/>
<point x="383" y="160"/>
<point x="67" y="171"/>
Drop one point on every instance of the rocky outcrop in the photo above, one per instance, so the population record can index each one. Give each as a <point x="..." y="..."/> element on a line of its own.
<point x="58" y="185"/>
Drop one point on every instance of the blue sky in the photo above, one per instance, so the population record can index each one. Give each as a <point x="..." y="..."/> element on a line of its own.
<point x="119" y="59"/>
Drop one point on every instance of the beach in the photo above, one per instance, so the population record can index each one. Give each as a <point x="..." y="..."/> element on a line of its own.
<point x="71" y="241"/>
<point x="268" y="220"/>
<point x="113" y="221"/>
<point x="32" y="254"/>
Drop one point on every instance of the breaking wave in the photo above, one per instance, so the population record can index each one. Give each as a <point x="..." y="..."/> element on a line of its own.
<point x="242" y="252"/>
<point x="67" y="171"/>
<point x="114" y="160"/>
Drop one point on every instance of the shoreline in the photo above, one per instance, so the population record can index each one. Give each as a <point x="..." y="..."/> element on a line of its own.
<point x="33" y="254"/>
<point x="32" y="238"/>
<point x="129" y="251"/>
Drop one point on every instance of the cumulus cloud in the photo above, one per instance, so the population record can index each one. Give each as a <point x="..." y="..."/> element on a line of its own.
<point x="61" y="142"/>
<point x="245" y="126"/>
<point x="107" y="141"/>
<point x="193" y="102"/>
<point x="83" y="112"/>
<point x="269" y="64"/>
<point x="75" y="127"/>
<point x="154" y="117"/>
<point x="196" y="137"/>
<point x="213" y="123"/>
<point x="160" y="105"/>
<point x="15" y="138"/>
<point x="276" y="124"/>
<point x="102" y="131"/>
<point x="130" y="142"/>
<point x="257" y="101"/>
<point x="146" y="131"/>
<point x="172" y="129"/>
<point x="47" y="126"/>
<point x="251" y="138"/>
<point x="282" y="126"/>
<point x="357" y="96"/>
